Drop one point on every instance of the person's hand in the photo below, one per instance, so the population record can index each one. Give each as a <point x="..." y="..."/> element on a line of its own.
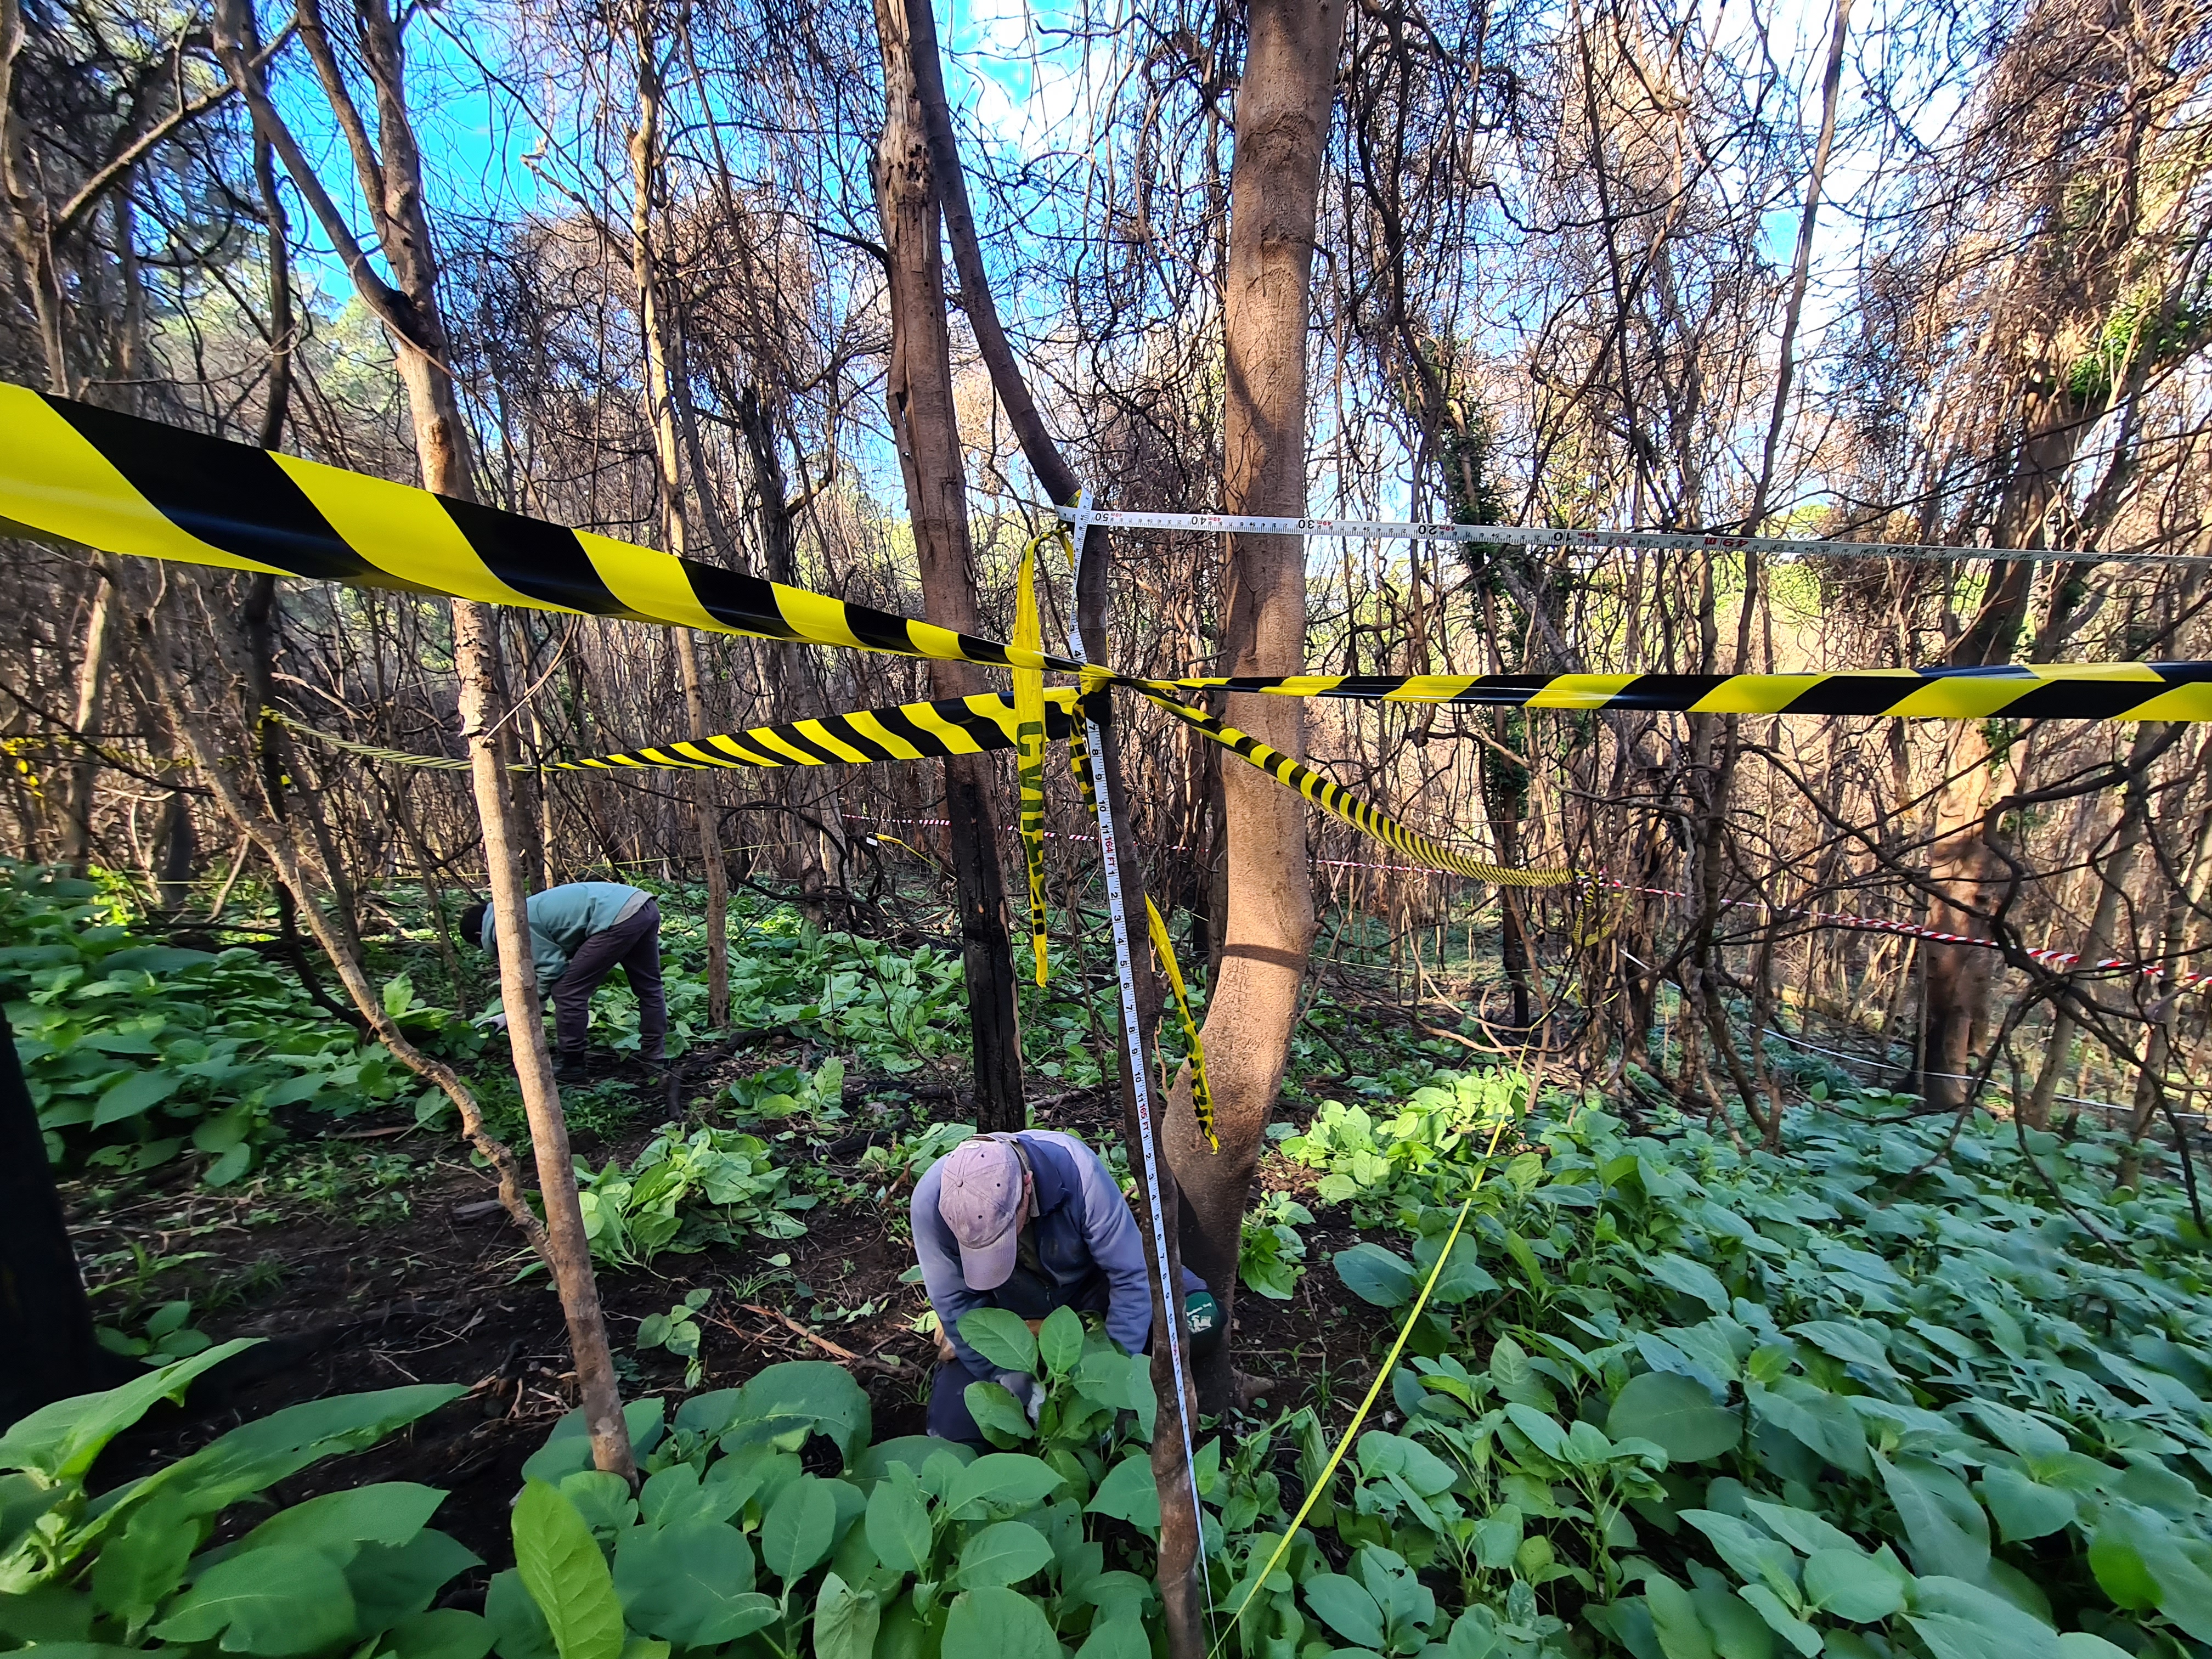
<point x="492" y="1022"/>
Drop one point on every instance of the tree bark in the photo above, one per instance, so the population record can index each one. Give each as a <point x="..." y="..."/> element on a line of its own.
<point x="661" y="394"/>
<point x="918" y="392"/>
<point x="390" y="174"/>
<point x="91" y="705"/>
<point x="1181" y="1593"/>
<point x="1282" y="125"/>
<point x="2113" y="872"/>
<point x="1044" y="455"/>
<point x="46" y="1321"/>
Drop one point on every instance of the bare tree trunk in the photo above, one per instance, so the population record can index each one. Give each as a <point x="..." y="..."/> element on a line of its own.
<point x="91" y="705"/>
<point x="661" y="395"/>
<point x="1044" y="455"/>
<point x="1282" y="125"/>
<point x="390" y="174"/>
<point x="1181" y="1593"/>
<point x="918" y="391"/>
<point x="2112" y="874"/>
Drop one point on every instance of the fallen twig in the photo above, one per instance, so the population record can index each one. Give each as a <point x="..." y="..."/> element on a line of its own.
<point x="834" y="1349"/>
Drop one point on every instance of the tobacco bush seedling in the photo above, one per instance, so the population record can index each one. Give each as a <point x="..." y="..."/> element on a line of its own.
<point x="352" y="1572"/>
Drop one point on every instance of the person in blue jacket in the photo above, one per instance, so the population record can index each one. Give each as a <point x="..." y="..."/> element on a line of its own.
<point x="579" y="933"/>
<point x="1030" y="1223"/>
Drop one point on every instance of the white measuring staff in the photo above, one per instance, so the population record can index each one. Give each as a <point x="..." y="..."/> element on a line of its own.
<point x="1171" y="1310"/>
<point x="1601" y="540"/>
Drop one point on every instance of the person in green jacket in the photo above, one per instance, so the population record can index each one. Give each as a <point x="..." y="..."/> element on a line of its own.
<point x="578" y="934"/>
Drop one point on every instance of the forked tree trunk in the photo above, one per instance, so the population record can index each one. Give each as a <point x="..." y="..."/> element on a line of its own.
<point x="918" y="392"/>
<point x="1282" y="126"/>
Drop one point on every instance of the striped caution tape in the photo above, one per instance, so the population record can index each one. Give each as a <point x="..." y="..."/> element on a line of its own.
<point x="141" y="487"/>
<point x="1201" y="1096"/>
<point x="2095" y="692"/>
<point x="1029" y="737"/>
<point x="151" y="490"/>
<point x="909" y="730"/>
<point x="1363" y="815"/>
<point x="1600" y="541"/>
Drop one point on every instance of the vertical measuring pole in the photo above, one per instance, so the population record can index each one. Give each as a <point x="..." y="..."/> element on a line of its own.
<point x="1171" y="1311"/>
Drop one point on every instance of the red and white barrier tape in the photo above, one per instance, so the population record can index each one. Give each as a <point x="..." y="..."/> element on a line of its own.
<point x="2058" y="960"/>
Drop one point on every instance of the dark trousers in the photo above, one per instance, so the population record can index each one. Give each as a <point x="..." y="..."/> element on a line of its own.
<point x="633" y="944"/>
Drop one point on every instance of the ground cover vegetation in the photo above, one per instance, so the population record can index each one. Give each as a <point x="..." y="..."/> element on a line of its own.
<point x="1832" y="1289"/>
<point x="1921" y="1388"/>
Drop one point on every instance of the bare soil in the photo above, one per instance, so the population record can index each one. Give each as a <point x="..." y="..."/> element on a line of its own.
<point x="419" y="1280"/>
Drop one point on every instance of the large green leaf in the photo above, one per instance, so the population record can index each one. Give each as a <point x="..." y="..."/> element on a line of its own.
<point x="1679" y="1414"/>
<point x="135" y="1572"/>
<point x="388" y="1512"/>
<point x="845" y="1620"/>
<point x="568" y="1448"/>
<point x="899" y="1526"/>
<point x="1129" y="1493"/>
<point x="518" y="1628"/>
<point x="1947" y="1532"/>
<point x="689" y="1583"/>
<point x="257" y="1454"/>
<point x="1681" y="1633"/>
<point x="1059" y="1341"/>
<point x="1004" y="1552"/>
<point x="134" y="1097"/>
<point x="998" y="1624"/>
<point x="446" y="1633"/>
<point x="1850" y="1585"/>
<point x="999" y="1485"/>
<point x="2024" y="1509"/>
<point x="2140" y="1564"/>
<point x="269" y="1603"/>
<point x="60" y="1441"/>
<point x="1347" y="1608"/>
<point x="1959" y="1620"/>
<point x="998" y="1413"/>
<point x="566" y="1576"/>
<point x="788" y="1401"/>
<point x="1691" y="1279"/>
<point x="798" y="1529"/>
<point x="394" y="1583"/>
<point x="1121" y="1637"/>
<point x="1374" y="1274"/>
<point x="1001" y="1337"/>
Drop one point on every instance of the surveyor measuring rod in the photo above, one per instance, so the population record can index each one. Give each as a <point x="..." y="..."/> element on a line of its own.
<point x="1133" y="1036"/>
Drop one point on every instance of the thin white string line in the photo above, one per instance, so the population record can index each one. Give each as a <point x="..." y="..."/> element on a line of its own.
<point x="1604" y="540"/>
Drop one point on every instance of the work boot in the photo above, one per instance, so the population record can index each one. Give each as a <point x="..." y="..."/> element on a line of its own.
<point x="568" y="1068"/>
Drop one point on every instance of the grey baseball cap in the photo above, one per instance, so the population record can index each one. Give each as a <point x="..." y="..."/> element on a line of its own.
<point x="979" y="1195"/>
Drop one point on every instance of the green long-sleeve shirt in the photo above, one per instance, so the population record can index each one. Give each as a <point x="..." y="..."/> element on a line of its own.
<point x="563" y="918"/>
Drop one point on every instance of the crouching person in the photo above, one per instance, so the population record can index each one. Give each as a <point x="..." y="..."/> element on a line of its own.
<point x="578" y="934"/>
<point x="1030" y="1223"/>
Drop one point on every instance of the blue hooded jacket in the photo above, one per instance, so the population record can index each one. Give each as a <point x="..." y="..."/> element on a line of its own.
<point x="1083" y="1231"/>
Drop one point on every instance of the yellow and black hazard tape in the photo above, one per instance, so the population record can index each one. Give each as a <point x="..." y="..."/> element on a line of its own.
<point x="75" y="472"/>
<point x="1363" y="815"/>
<point x="1201" y="1094"/>
<point x="903" y="731"/>
<point x="2097" y="691"/>
<point x="151" y="490"/>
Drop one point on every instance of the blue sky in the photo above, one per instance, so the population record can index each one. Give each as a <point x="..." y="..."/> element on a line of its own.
<point x="1020" y="87"/>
